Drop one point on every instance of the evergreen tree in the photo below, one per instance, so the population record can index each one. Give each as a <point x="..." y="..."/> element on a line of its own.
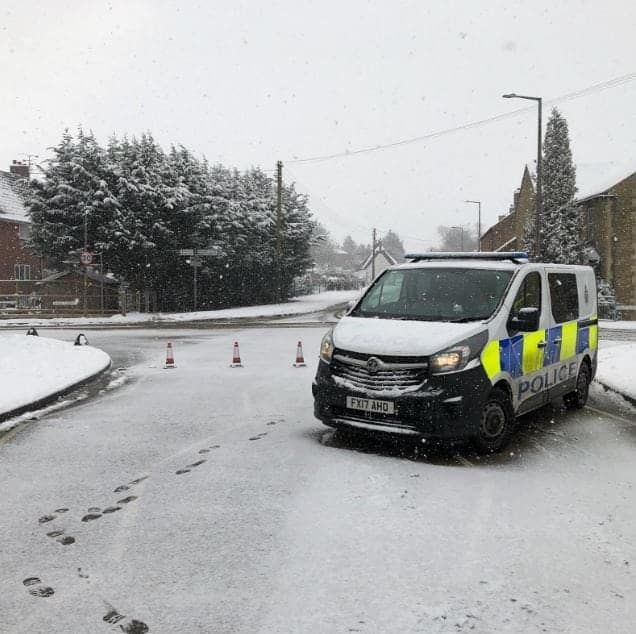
<point x="142" y="206"/>
<point x="393" y="244"/>
<point x="560" y="240"/>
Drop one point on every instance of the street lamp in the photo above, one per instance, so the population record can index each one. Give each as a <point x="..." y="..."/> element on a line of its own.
<point x="538" y="199"/>
<point x="477" y="202"/>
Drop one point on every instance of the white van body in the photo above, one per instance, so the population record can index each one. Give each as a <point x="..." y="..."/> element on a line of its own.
<point x="387" y="367"/>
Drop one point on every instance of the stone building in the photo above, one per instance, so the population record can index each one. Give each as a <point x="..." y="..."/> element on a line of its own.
<point x="606" y="202"/>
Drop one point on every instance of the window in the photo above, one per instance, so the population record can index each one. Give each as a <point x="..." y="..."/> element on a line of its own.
<point x="24" y="231"/>
<point x="435" y="294"/>
<point x="22" y="271"/>
<point x="564" y="296"/>
<point x="529" y="295"/>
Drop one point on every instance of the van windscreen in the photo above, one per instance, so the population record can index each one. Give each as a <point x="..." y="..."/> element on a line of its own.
<point x="435" y="294"/>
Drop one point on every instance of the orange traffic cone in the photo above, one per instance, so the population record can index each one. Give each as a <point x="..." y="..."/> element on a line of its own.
<point x="300" y="359"/>
<point x="236" y="357"/>
<point x="169" y="357"/>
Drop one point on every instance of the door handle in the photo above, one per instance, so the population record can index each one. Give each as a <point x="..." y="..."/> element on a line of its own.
<point x="557" y="340"/>
<point x="542" y="344"/>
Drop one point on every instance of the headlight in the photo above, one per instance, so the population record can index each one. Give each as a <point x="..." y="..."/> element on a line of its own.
<point x="456" y="357"/>
<point x="450" y="360"/>
<point x="326" y="348"/>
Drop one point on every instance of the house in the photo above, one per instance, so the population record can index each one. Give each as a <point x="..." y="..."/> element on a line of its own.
<point x="19" y="267"/>
<point x="606" y="202"/>
<point x="380" y="261"/>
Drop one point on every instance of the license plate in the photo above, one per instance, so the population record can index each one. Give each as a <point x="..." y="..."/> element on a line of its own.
<point x="370" y="405"/>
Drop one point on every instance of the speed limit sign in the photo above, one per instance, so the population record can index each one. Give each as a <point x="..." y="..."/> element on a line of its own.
<point x="86" y="257"/>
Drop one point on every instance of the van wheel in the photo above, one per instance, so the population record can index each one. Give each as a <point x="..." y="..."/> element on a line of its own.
<point x="578" y="398"/>
<point x="496" y="423"/>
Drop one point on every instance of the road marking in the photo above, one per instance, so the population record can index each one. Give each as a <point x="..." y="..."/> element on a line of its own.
<point x="614" y="416"/>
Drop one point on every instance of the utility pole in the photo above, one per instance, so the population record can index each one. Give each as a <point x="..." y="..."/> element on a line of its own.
<point x="85" y="265"/>
<point x="279" y="228"/>
<point x="373" y="241"/>
<point x="195" y="266"/>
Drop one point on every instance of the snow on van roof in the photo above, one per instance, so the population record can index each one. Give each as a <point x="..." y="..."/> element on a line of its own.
<point x="497" y="265"/>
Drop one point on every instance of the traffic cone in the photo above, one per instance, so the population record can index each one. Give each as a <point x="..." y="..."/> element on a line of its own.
<point x="169" y="357"/>
<point x="236" y="357"/>
<point x="300" y="359"/>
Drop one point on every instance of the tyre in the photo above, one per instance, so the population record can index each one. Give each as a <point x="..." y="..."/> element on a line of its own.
<point x="496" y="423"/>
<point x="578" y="398"/>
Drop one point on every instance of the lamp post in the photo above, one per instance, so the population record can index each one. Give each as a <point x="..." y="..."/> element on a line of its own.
<point x="538" y="198"/>
<point x="477" y="202"/>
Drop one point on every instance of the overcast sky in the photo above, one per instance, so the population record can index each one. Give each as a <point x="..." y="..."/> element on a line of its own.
<point x="247" y="83"/>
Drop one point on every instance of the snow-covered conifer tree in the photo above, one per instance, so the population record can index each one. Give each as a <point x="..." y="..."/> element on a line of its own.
<point x="560" y="232"/>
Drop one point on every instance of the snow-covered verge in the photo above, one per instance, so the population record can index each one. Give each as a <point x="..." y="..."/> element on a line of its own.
<point x="608" y="324"/>
<point x="35" y="369"/>
<point x="296" y="306"/>
<point x="617" y="368"/>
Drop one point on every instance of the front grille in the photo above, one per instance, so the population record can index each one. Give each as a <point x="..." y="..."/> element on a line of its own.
<point x="393" y="374"/>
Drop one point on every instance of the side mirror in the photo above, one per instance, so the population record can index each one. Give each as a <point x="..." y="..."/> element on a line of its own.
<point x="526" y="320"/>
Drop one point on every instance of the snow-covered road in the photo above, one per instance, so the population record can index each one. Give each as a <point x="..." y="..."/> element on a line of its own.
<point x="208" y="499"/>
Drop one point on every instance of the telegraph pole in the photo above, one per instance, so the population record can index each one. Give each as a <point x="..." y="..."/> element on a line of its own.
<point x="373" y="242"/>
<point x="279" y="228"/>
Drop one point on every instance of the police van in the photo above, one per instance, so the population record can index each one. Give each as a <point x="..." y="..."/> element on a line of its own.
<point x="457" y="345"/>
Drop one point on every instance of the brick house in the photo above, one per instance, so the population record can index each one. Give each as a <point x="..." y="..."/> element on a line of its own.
<point x="606" y="202"/>
<point x="19" y="267"/>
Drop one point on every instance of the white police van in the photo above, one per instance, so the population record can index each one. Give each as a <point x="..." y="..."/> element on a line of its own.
<point x="456" y="345"/>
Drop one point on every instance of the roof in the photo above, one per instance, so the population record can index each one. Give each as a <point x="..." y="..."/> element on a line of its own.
<point x="381" y="251"/>
<point x="92" y="275"/>
<point x="12" y="207"/>
<point x="594" y="179"/>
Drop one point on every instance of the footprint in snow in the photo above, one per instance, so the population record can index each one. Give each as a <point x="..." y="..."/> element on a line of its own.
<point x="89" y="517"/>
<point x="182" y="471"/>
<point x="111" y="509"/>
<point x="46" y="518"/>
<point x="36" y="588"/>
<point x="121" y="488"/>
<point x="138" y="480"/>
<point x="126" y="500"/>
<point x="131" y="627"/>
<point x="195" y="464"/>
<point x="204" y="451"/>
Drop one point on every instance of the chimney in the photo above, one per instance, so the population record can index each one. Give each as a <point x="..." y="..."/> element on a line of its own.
<point x="516" y="198"/>
<point x="18" y="168"/>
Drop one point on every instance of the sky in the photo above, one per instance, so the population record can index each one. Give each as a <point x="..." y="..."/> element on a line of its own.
<point x="250" y="83"/>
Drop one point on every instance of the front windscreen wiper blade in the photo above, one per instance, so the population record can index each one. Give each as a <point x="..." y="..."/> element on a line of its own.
<point x="463" y="320"/>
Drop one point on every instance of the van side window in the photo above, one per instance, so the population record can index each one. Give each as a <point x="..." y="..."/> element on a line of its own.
<point x="529" y="294"/>
<point x="564" y="296"/>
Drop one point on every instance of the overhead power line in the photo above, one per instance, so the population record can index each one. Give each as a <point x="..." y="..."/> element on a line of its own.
<point x="611" y="83"/>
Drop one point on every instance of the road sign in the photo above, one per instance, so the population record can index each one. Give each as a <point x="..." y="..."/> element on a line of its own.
<point x="86" y="257"/>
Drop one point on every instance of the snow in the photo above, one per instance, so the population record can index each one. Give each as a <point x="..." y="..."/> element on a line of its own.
<point x="617" y="368"/>
<point x="399" y="338"/>
<point x="305" y="304"/>
<point x="596" y="178"/>
<point x="34" y="368"/>
<point x="606" y="324"/>
<point x="11" y="205"/>
<point x="288" y="527"/>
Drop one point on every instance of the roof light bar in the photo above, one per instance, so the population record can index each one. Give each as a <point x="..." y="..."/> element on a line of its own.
<point x="519" y="257"/>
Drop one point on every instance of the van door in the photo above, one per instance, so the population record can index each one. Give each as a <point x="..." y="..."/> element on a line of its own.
<point x="560" y="353"/>
<point x="523" y="351"/>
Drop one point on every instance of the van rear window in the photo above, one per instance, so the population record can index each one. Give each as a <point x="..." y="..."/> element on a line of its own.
<point x="564" y="296"/>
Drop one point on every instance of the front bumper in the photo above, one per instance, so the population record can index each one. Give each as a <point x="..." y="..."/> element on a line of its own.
<point x="446" y="406"/>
